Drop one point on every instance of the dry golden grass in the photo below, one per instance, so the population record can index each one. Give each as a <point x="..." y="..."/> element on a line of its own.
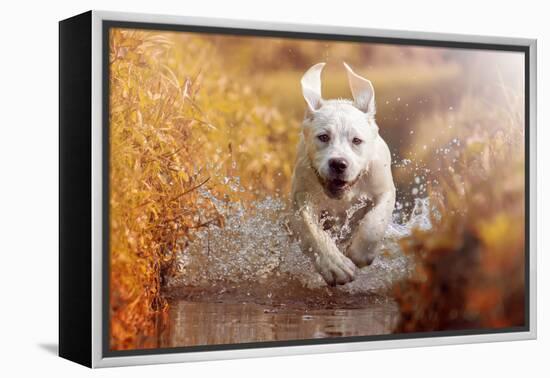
<point x="173" y="130"/>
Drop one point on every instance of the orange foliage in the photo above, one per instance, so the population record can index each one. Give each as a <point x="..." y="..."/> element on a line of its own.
<point x="173" y="131"/>
<point x="470" y="265"/>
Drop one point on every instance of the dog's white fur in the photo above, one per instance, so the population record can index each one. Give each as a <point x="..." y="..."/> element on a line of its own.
<point x="318" y="193"/>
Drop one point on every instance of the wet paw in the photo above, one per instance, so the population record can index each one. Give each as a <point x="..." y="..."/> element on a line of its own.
<point x="362" y="261"/>
<point x="363" y="257"/>
<point x="335" y="268"/>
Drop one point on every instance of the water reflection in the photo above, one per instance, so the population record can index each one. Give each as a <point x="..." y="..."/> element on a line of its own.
<point x="208" y="323"/>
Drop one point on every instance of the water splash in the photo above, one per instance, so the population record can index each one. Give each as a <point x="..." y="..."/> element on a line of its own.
<point x="255" y="248"/>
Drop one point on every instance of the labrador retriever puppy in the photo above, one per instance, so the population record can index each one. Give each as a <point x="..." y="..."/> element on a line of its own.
<point x="342" y="179"/>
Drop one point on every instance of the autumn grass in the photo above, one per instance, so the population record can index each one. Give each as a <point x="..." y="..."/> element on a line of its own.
<point x="173" y="131"/>
<point x="470" y="266"/>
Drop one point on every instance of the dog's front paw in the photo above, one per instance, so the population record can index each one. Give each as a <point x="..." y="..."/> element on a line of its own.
<point x="362" y="257"/>
<point x="335" y="268"/>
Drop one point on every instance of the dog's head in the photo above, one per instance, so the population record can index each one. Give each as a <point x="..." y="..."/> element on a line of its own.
<point x="339" y="134"/>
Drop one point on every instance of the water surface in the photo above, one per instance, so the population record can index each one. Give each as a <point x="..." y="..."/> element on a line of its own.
<point x="211" y="323"/>
<point x="250" y="282"/>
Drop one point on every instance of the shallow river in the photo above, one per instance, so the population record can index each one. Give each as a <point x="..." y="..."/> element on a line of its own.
<point x="207" y="323"/>
<point x="254" y="284"/>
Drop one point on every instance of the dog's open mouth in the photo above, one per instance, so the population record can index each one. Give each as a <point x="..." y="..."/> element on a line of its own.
<point x="337" y="184"/>
<point x="336" y="187"/>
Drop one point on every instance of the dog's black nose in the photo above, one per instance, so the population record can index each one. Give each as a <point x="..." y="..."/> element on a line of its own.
<point x="338" y="165"/>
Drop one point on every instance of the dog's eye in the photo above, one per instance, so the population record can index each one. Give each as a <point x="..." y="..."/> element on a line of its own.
<point x="357" y="141"/>
<point x="323" y="138"/>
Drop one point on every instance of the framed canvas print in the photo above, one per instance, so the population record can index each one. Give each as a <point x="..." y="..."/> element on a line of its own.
<point x="232" y="189"/>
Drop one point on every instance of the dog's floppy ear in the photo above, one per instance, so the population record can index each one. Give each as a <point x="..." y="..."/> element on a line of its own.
<point x="311" y="87"/>
<point x="362" y="91"/>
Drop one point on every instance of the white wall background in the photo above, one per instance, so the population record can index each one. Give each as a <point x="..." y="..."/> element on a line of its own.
<point x="28" y="185"/>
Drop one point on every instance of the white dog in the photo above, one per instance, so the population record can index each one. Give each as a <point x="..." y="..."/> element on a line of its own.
<point x="342" y="183"/>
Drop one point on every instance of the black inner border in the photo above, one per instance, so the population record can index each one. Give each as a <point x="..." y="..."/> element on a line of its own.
<point x="108" y="24"/>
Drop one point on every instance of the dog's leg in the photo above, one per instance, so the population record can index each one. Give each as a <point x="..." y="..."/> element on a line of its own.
<point x="334" y="267"/>
<point x="363" y="247"/>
